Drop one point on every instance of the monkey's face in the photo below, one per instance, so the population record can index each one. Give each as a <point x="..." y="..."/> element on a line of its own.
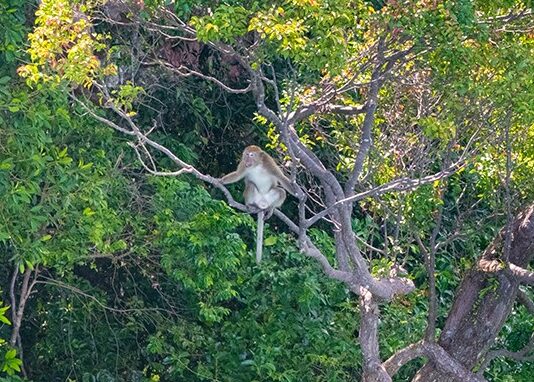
<point x="251" y="157"/>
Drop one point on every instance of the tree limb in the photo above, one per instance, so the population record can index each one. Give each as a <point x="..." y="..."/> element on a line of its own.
<point x="523" y="275"/>
<point x="445" y="362"/>
<point x="184" y="71"/>
<point x="525" y="354"/>
<point x="526" y="301"/>
<point x="403" y="356"/>
<point x="403" y="184"/>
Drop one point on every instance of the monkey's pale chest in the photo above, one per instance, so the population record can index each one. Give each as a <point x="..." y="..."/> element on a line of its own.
<point x="262" y="179"/>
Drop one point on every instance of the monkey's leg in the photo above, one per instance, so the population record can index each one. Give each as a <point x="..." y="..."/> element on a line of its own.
<point x="275" y="198"/>
<point x="259" y="237"/>
<point x="251" y="197"/>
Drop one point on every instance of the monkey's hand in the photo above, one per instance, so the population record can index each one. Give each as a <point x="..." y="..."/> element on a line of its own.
<point x="212" y="179"/>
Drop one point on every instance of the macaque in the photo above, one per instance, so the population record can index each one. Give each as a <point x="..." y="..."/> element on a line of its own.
<point x="262" y="192"/>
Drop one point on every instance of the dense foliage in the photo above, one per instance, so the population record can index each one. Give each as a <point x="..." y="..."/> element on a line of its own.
<point x="139" y="277"/>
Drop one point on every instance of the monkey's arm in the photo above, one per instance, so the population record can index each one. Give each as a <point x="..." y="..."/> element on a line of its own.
<point x="285" y="182"/>
<point x="275" y="170"/>
<point x="235" y="176"/>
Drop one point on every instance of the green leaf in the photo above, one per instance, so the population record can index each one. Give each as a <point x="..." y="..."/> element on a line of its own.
<point x="88" y="212"/>
<point x="62" y="153"/>
<point x="271" y="240"/>
<point x="6" y="165"/>
<point x="5" y="320"/>
<point x="10" y="354"/>
<point x="46" y="237"/>
<point x="4" y="236"/>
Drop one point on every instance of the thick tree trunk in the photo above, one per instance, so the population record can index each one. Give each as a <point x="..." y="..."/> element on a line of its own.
<point x="483" y="301"/>
<point x="373" y="370"/>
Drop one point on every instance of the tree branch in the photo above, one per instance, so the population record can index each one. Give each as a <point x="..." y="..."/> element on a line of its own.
<point x="143" y="139"/>
<point x="184" y="71"/>
<point x="526" y="301"/>
<point x="403" y="184"/>
<point x="384" y="288"/>
<point x="437" y="354"/>
<point x="377" y="79"/>
<point x="368" y="121"/>
<point x="297" y="149"/>
<point x="523" y="275"/>
<point x="101" y="119"/>
<point x="403" y="356"/>
<point x="445" y="362"/>
<point x="12" y="294"/>
<point x="525" y="354"/>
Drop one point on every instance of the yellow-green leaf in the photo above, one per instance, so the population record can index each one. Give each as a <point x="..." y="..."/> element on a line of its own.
<point x="271" y="240"/>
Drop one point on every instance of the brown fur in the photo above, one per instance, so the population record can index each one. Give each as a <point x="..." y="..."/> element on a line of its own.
<point x="258" y="169"/>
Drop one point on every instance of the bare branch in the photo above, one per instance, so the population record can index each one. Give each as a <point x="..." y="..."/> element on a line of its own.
<point x="511" y="16"/>
<point x="403" y="356"/>
<point x="507" y="196"/>
<point x="323" y="106"/>
<point x="23" y="298"/>
<point x="345" y="110"/>
<point x="524" y="276"/>
<point x="377" y="79"/>
<point x="430" y="261"/>
<point x="403" y="184"/>
<point x="437" y="354"/>
<point x="184" y="71"/>
<point x="57" y="283"/>
<point x="152" y="171"/>
<point x="12" y="294"/>
<point x="143" y="139"/>
<point x="526" y="301"/>
<point x="101" y="119"/>
<point x="159" y="28"/>
<point x="310" y="250"/>
<point x="297" y="149"/>
<point x="368" y="121"/>
<point x="384" y="288"/>
<point x="369" y="246"/>
<point x="525" y="354"/>
<point x="273" y="82"/>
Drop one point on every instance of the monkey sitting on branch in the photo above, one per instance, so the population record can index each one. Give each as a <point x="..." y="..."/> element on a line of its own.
<point x="262" y="192"/>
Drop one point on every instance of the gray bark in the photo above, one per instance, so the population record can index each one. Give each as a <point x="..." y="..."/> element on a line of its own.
<point x="478" y="312"/>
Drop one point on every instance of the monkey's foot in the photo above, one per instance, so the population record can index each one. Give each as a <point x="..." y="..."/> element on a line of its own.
<point x="268" y="213"/>
<point x="253" y="209"/>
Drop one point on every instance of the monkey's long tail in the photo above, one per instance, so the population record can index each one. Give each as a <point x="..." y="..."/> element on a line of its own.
<point x="259" y="237"/>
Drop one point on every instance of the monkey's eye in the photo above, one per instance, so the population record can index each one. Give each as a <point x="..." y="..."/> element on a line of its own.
<point x="251" y="154"/>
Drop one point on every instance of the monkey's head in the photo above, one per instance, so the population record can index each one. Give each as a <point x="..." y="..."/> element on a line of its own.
<point x="252" y="155"/>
